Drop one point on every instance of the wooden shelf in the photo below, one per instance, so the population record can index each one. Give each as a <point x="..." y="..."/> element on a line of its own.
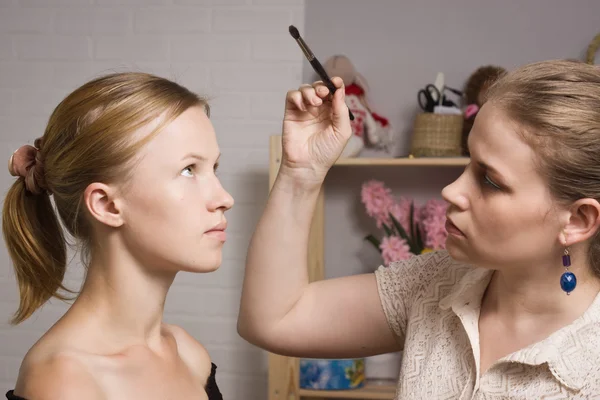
<point x="405" y="161"/>
<point x="371" y="390"/>
<point x="275" y="159"/>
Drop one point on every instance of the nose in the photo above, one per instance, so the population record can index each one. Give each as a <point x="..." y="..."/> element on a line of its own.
<point x="222" y="200"/>
<point x="455" y="193"/>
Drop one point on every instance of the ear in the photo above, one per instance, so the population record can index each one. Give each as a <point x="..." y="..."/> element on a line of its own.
<point x="103" y="204"/>
<point x="362" y="82"/>
<point x="584" y="222"/>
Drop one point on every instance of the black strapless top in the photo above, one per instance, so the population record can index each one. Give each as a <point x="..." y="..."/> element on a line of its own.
<point x="211" y="388"/>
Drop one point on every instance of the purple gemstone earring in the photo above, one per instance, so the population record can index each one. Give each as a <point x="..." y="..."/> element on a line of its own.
<point x="568" y="281"/>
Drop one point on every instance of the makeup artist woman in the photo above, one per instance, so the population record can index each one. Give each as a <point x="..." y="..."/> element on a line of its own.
<point x="511" y="308"/>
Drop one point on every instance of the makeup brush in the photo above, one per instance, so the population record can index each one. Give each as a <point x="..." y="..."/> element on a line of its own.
<point x="315" y="63"/>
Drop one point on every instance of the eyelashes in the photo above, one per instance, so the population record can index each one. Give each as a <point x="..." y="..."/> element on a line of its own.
<point x="191" y="169"/>
<point x="488" y="182"/>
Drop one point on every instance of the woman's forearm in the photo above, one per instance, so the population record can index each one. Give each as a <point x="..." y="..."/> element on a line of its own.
<point x="276" y="264"/>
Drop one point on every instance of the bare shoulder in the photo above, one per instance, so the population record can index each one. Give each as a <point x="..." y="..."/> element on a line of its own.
<point x="56" y="376"/>
<point x="193" y="354"/>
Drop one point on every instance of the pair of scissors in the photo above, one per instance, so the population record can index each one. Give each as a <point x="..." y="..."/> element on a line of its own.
<point x="428" y="97"/>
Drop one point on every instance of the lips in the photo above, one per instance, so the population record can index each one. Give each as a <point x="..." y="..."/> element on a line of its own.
<point x="452" y="229"/>
<point x="218" y="231"/>
<point x="221" y="226"/>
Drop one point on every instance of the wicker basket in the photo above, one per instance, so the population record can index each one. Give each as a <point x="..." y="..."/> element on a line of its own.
<point x="437" y="135"/>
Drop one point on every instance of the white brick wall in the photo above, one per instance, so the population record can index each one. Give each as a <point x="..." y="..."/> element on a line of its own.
<point x="237" y="52"/>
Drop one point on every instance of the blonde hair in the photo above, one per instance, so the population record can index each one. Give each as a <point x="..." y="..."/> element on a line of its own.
<point x="88" y="139"/>
<point x="557" y="105"/>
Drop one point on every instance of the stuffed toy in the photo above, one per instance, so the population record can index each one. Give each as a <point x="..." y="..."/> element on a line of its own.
<point x="475" y="96"/>
<point x="369" y="128"/>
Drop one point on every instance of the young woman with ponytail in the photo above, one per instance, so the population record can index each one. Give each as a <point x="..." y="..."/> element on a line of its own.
<point x="126" y="167"/>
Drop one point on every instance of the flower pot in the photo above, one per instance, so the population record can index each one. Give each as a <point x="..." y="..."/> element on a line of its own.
<point x="383" y="366"/>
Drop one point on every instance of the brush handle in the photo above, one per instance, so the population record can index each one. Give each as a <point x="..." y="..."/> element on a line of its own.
<point x="321" y="71"/>
<point x="326" y="80"/>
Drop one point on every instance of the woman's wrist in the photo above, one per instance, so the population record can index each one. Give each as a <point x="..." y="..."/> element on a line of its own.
<point x="299" y="181"/>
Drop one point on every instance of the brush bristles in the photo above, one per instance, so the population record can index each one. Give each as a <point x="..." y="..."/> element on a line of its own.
<point x="294" y="32"/>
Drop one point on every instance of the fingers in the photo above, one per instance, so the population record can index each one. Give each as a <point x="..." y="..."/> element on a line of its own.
<point x="321" y="89"/>
<point x="340" y="109"/>
<point x="338" y="82"/>
<point x="312" y="95"/>
<point x="304" y="97"/>
<point x="295" y="97"/>
<point x="309" y="95"/>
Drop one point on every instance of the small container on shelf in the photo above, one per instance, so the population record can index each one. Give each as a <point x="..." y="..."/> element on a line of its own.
<point x="384" y="367"/>
<point x="437" y="135"/>
<point x="323" y="374"/>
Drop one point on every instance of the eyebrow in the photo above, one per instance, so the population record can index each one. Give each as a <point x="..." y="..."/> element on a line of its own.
<point x="199" y="157"/>
<point x="488" y="167"/>
<point x="484" y="165"/>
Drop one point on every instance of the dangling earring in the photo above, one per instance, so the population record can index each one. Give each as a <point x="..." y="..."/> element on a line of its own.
<point x="568" y="281"/>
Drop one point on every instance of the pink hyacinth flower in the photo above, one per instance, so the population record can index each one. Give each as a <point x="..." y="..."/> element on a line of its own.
<point x="434" y="224"/>
<point x="377" y="200"/>
<point x="394" y="248"/>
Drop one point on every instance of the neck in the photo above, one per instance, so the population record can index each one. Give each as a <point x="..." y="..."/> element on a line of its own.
<point x="125" y="300"/>
<point x="533" y="292"/>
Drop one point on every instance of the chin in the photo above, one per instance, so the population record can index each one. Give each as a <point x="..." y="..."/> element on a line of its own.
<point x="472" y="256"/>
<point x="203" y="266"/>
<point x="456" y="251"/>
<point x="212" y="268"/>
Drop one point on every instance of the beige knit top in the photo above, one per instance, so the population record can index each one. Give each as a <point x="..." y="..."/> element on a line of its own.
<point x="432" y="305"/>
